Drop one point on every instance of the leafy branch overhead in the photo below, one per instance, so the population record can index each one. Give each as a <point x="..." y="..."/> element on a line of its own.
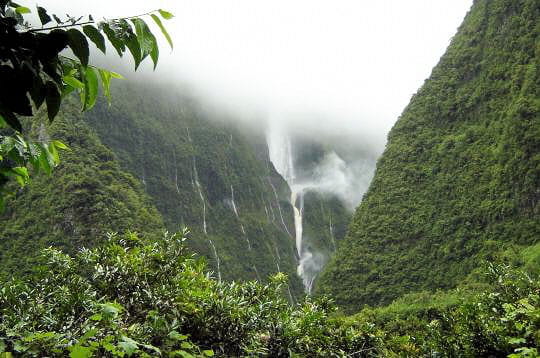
<point x="36" y="72"/>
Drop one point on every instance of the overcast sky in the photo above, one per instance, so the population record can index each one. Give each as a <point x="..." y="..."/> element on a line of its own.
<point x="337" y="66"/>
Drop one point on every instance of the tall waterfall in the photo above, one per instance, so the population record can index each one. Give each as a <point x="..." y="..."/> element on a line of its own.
<point x="281" y="155"/>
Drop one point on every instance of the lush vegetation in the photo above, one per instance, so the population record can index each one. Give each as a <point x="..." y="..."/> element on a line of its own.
<point x="39" y="74"/>
<point x="168" y="141"/>
<point x="151" y="297"/>
<point x="89" y="196"/>
<point x="458" y="181"/>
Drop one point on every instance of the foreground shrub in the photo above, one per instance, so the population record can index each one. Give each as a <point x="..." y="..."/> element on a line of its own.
<point x="135" y="297"/>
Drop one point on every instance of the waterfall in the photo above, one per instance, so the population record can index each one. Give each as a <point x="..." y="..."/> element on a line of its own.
<point x="279" y="207"/>
<point x="281" y="155"/>
<point x="235" y="210"/>
<point x="198" y="186"/>
<point x="217" y="260"/>
<point x="331" y="229"/>
<point x="298" y="209"/>
<point x="176" y="172"/>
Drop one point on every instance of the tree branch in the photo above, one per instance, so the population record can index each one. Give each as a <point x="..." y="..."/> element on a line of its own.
<point x="87" y="22"/>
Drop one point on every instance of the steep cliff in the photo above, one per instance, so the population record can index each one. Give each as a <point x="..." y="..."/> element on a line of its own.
<point x="458" y="182"/>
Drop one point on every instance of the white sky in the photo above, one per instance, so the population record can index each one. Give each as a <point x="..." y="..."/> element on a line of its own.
<point x="351" y="64"/>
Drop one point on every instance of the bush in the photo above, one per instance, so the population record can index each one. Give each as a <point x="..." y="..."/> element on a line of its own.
<point x="142" y="297"/>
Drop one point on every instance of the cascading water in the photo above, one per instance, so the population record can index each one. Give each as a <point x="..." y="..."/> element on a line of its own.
<point x="281" y="155"/>
<point x="235" y="210"/>
<point x="332" y="236"/>
<point x="217" y="260"/>
<point x="278" y="206"/>
<point x="198" y="186"/>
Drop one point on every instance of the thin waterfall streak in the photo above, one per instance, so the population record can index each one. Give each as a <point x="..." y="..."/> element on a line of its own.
<point x="257" y="272"/>
<point x="332" y="236"/>
<point x="217" y="260"/>
<point x="176" y="173"/>
<point x="198" y="185"/>
<point x="279" y="207"/>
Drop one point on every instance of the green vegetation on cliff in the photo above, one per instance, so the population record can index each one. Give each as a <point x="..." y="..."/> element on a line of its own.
<point x="203" y="173"/>
<point x="88" y="196"/>
<point x="458" y="181"/>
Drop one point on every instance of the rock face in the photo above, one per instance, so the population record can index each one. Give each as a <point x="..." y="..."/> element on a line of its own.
<point x="459" y="180"/>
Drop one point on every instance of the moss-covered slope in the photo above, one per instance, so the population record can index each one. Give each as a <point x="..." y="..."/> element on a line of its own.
<point x="87" y="196"/>
<point x="459" y="179"/>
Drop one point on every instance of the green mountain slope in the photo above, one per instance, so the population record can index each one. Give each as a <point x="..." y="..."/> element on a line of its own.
<point x="459" y="179"/>
<point x="88" y="196"/>
<point x="204" y="174"/>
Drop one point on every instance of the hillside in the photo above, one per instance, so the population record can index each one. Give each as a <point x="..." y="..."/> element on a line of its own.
<point x="458" y="182"/>
<point x="89" y="196"/>
<point x="187" y="166"/>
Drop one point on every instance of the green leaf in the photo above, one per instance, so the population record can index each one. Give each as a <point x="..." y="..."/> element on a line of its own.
<point x="177" y="336"/>
<point x="96" y="317"/>
<point x="80" y="352"/>
<point x="11" y="119"/>
<point x="157" y="20"/>
<point x="208" y="353"/>
<point x="186" y="345"/>
<point x="3" y="123"/>
<point x="79" y="45"/>
<point x="90" y="88"/>
<point x="154" y="54"/>
<point x="60" y="145"/>
<point x="128" y="345"/>
<point x="111" y="309"/>
<point x="113" y="39"/>
<point x="73" y="82"/>
<point x="165" y="14"/>
<point x="22" y="10"/>
<point x="45" y="161"/>
<point x="106" y="83"/>
<point x="43" y="16"/>
<point x="134" y="48"/>
<point x="96" y="37"/>
<point x="53" y="99"/>
<point x="147" y="40"/>
<point x="54" y="154"/>
<point x="37" y="92"/>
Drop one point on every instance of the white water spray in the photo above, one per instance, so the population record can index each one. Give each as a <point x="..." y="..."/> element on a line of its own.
<point x="281" y="155"/>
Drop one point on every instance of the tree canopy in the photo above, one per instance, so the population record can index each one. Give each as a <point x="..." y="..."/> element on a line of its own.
<point x="36" y="72"/>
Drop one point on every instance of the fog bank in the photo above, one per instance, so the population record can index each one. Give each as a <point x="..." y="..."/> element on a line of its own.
<point x="343" y="69"/>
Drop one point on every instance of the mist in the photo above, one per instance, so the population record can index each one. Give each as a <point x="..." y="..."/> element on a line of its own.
<point x="339" y="72"/>
<point x="353" y="63"/>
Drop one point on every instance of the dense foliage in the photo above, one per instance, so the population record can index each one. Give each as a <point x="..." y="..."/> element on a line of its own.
<point x="151" y="297"/>
<point x="32" y="62"/>
<point x="458" y="181"/>
<point x="88" y="196"/>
